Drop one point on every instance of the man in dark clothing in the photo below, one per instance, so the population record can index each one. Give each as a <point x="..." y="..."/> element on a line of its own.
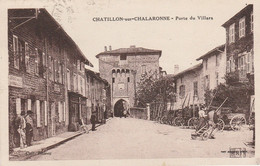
<point x="213" y="120"/>
<point x="93" y="121"/>
<point x="29" y="128"/>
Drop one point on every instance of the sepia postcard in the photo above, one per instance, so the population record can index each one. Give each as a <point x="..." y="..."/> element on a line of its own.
<point x="109" y="82"/>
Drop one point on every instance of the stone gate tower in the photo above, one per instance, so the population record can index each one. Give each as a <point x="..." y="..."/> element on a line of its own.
<point x="123" y="69"/>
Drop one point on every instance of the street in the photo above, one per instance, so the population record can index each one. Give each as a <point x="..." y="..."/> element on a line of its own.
<point x="127" y="138"/>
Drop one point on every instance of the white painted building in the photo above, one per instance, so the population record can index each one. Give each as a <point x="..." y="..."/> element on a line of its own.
<point x="214" y="67"/>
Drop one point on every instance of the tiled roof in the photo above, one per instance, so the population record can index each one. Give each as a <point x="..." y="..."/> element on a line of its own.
<point x="219" y="48"/>
<point x="131" y="50"/>
<point x="67" y="37"/>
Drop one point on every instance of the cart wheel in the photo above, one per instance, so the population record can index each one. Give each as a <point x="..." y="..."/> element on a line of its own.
<point x="177" y="121"/>
<point x="204" y="136"/>
<point x="237" y="122"/>
<point x="164" y="120"/>
<point x="193" y="122"/>
<point x="220" y="125"/>
<point x="172" y="121"/>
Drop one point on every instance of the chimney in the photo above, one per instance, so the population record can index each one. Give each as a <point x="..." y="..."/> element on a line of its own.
<point x="105" y="48"/>
<point x="132" y="46"/>
<point x="176" y="69"/>
<point x="110" y="48"/>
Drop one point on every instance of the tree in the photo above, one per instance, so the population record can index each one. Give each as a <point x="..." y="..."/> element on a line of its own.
<point x="152" y="89"/>
<point x="238" y="93"/>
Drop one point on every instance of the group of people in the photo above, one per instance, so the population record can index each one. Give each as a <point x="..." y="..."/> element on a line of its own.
<point x="210" y="116"/>
<point x="24" y="127"/>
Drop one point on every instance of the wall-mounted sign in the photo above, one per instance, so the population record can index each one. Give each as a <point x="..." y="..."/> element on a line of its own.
<point x="121" y="86"/>
<point x="15" y="81"/>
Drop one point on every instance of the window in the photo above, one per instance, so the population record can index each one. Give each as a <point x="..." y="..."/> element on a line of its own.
<point x="68" y="79"/>
<point x="195" y="88"/>
<point x="55" y="70"/>
<point x="228" y="66"/>
<point x="79" y="84"/>
<point x="242" y="66"/>
<point x="252" y="22"/>
<point x="113" y="80"/>
<point x="64" y="111"/>
<point x="242" y="27"/>
<point x="44" y="63"/>
<point x="29" y="104"/>
<point x="232" y="64"/>
<point x="217" y="81"/>
<point x="38" y="114"/>
<point x="83" y="87"/>
<point x="182" y="91"/>
<point x="123" y="57"/>
<point x="143" y="68"/>
<point x="59" y="73"/>
<point x="248" y="62"/>
<point x="18" y="106"/>
<point x="16" y="52"/>
<point x="45" y="114"/>
<point x="36" y="61"/>
<point x="60" y="110"/>
<point x="232" y="33"/>
<point x="207" y="82"/>
<point x="217" y="59"/>
<point x="128" y="79"/>
<point x="75" y="83"/>
<point x="27" y="58"/>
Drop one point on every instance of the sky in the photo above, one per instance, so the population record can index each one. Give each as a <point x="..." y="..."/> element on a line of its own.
<point x="181" y="41"/>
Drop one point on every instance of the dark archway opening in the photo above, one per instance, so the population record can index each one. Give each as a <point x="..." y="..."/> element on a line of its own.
<point x="118" y="108"/>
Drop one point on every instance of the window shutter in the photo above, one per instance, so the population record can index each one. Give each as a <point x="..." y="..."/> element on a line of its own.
<point x="208" y="81"/>
<point x="228" y="66"/>
<point x="64" y="111"/>
<point x="38" y="113"/>
<point x="45" y="114"/>
<point x="79" y="87"/>
<point x="29" y="104"/>
<point x="18" y="106"/>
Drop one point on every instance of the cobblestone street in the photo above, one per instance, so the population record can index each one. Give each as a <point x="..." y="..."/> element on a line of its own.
<point x="127" y="138"/>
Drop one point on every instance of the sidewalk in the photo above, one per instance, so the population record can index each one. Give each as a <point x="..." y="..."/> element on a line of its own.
<point x="42" y="146"/>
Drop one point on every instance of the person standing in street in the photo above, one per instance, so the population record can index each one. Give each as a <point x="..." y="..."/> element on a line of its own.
<point x="93" y="121"/>
<point x="29" y="127"/>
<point x="21" y="130"/>
<point x="202" y="118"/>
<point x="213" y="120"/>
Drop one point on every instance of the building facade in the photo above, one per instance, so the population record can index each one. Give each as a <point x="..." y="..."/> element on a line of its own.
<point x="189" y="87"/>
<point x="123" y="68"/>
<point x="98" y="96"/>
<point x="214" y="67"/>
<point x="46" y="75"/>
<point x="240" y="44"/>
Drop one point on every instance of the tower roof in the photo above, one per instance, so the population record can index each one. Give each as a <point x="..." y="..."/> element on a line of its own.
<point x="131" y="51"/>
